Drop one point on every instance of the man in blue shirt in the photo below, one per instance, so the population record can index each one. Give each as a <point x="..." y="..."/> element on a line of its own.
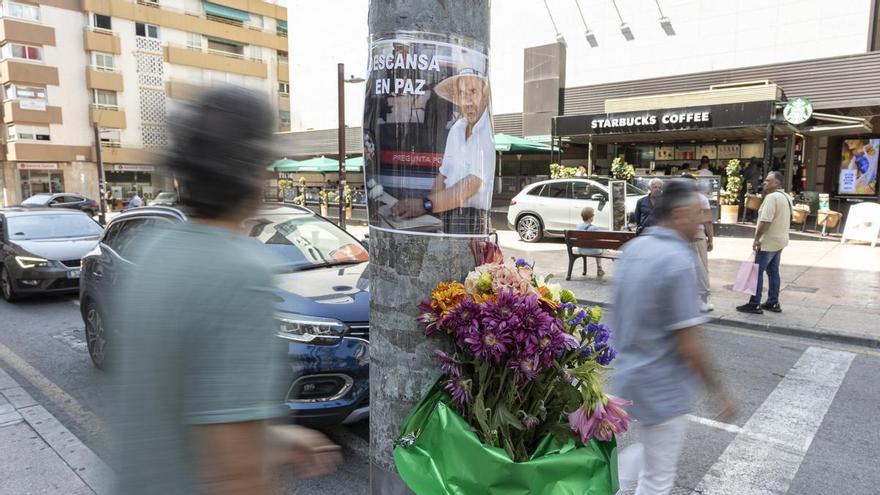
<point x="645" y="206"/>
<point x="661" y="357"/>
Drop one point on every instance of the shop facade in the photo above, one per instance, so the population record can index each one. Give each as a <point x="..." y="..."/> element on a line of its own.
<point x="20" y="180"/>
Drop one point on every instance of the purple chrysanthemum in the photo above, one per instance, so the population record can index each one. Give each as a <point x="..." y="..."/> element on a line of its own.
<point x="431" y="322"/>
<point x="448" y="363"/>
<point x="463" y="320"/>
<point x="531" y="422"/>
<point x="525" y="369"/>
<point x="489" y="343"/>
<point x="460" y="391"/>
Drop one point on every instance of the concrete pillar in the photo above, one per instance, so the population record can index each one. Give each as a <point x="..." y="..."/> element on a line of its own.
<point x="405" y="267"/>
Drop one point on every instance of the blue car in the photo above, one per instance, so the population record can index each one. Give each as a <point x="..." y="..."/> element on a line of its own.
<point x="322" y="303"/>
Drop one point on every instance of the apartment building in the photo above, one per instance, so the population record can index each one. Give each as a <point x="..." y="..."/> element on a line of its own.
<point x="66" y="65"/>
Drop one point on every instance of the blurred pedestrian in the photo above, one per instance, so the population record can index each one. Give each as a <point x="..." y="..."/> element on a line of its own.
<point x="771" y="237"/>
<point x="702" y="245"/>
<point x="587" y="215"/>
<point x="198" y="368"/>
<point x="645" y="206"/>
<point x="661" y="355"/>
<point x="135" y="201"/>
<point x="704" y="167"/>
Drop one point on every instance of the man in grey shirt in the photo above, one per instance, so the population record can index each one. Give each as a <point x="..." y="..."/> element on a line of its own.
<point x="661" y="358"/>
<point x="198" y="365"/>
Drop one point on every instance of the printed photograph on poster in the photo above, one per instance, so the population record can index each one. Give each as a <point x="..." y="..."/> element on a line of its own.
<point x="618" y="204"/>
<point x="429" y="148"/>
<point x="858" y="167"/>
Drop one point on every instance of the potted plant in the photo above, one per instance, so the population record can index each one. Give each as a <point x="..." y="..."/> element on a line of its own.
<point x="301" y="199"/>
<point x="558" y="171"/>
<point x="620" y="170"/>
<point x="349" y="200"/>
<point x="730" y="193"/>
<point x="325" y="202"/>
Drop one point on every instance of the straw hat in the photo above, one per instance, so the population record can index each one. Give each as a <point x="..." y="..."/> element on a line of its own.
<point x="447" y="87"/>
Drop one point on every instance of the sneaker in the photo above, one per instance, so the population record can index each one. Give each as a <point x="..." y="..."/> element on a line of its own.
<point x="750" y="308"/>
<point x="772" y="307"/>
<point x="706" y="307"/>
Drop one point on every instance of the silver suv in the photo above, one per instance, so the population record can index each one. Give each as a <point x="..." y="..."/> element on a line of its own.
<point x="551" y="207"/>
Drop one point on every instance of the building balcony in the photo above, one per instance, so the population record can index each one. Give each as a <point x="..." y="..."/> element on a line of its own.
<point x="27" y="72"/>
<point x="216" y="60"/>
<point x="30" y="112"/>
<point x="101" y="40"/>
<point x="100" y="78"/>
<point x="107" y="116"/>
<point x="26" y="32"/>
<point x="112" y="153"/>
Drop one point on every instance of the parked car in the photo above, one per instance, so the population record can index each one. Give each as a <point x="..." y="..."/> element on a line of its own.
<point x="322" y="303"/>
<point x="164" y="199"/>
<point x="40" y="250"/>
<point x="63" y="200"/>
<point x="550" y="207"/>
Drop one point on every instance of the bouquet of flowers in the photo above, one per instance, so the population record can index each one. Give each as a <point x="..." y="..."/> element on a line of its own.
<point x="520" y="406"/>
<point x="621" y="170"/>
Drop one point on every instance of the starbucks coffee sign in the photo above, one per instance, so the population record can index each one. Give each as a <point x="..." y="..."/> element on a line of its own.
<point x="798" y="111"/>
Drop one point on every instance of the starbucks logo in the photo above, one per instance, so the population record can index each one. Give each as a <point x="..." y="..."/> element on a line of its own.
<point x="798" y="111"/>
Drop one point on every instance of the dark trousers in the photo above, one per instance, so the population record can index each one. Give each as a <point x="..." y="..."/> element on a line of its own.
<point x="768" y="261"/>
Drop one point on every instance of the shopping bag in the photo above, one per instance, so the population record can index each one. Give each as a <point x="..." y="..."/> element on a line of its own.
<point x="747" y="278"/>
<point x="439" y="454"/>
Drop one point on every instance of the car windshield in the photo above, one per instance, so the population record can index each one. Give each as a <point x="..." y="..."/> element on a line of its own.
<point x="37" y="199"/>
<point x="304" y="241"/>
<point x="166" y="195"/>
<point x="37" y="227"/>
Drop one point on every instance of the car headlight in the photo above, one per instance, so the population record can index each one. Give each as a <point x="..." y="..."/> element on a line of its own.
<point x="309" y="329"/>
<point x="31" y="262"/>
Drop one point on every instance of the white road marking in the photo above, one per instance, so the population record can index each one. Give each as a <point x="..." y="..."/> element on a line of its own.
<point x="766" y="455"/>
<point x="62" y="399"/>
<point x="713" y="424"/>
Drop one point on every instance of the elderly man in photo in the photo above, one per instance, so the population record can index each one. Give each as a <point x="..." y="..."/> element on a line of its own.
<point x="462" y="190"/>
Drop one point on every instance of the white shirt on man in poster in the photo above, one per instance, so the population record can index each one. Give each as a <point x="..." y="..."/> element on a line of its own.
<point x="474" y="155"/>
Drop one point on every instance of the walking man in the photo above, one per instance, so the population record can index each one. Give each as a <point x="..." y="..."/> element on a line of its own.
<point x="645" y="206"/>
<point x="771" y="237"/>
<point x="661" y="356"/>
<point x="702" y="245"/>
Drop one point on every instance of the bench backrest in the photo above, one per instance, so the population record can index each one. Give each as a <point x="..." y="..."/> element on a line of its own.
<point x="597" y="239"/>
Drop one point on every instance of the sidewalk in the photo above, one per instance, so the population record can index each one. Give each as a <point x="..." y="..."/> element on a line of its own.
<point x="829" y="290"/>
<point x="40" y="455"/>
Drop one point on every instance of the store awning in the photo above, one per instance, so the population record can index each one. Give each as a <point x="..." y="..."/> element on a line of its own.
<point x="226" y="12"/>
<point x="354" y="164"/>
<point x="282" y="25"/>
<point x="284" y="165"/>
<point x="318" y="164"/>
<point x="507" y="143"/>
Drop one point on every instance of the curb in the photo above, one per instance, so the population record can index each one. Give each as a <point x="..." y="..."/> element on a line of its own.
<point x="873" y="343"/>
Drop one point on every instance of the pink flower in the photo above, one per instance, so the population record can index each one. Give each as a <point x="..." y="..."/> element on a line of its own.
<point x="605" y="420"/>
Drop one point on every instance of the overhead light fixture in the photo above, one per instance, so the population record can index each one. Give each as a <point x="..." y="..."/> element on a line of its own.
<point x="559" y="38"/>
<point x="588" y="33"/>
<point x="665" y="23"/>
<point x="624" y="27"/>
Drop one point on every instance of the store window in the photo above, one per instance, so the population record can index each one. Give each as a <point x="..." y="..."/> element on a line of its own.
<point x="25" y="52"/>
<point x="102" y="98"/>
<point x="20" y="132"/>
<point x="284" y="88"/>
<point x="103" y="61"/>
<point x="146" y="30"/>
<point x="40" y="181"/>
<point x="19" y="92"/>
<point x="284" y="117"/>
<point x="23" y="11"/>
<point x="101" y="21"/>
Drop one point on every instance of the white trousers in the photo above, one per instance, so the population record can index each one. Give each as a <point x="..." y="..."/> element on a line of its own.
<point x="652" y="462"/>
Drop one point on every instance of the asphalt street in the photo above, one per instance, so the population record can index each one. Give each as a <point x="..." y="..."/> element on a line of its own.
<point x="806" y="423"/>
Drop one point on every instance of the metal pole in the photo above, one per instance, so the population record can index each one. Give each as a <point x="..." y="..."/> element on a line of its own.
<point x="768" y="150"/>
<point x="102" y="180"/>
<point x="340" y="82"/>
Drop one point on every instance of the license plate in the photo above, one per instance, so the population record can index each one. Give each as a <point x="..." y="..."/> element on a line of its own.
<point x="73" y="274"/>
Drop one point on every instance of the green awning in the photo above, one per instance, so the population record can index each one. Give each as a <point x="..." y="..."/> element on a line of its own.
<point x="318" y="164"/>
<point x="354" y="164"/>
<point x="226" y="12"/>
<point x="282" y="25"/>
<point x="285" y="165"/>
<point x="507" y="143"/>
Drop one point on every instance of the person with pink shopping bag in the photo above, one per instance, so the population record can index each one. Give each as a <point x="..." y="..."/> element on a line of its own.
<point x="771" y="237"/>
<point x="747" y="278"/>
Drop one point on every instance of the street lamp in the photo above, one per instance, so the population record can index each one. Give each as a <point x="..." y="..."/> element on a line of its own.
<point x="588" y="33"/>
<point x="341" y="80"/>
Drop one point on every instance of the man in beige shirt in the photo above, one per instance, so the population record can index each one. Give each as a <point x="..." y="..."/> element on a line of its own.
<point x="771" y="236"/>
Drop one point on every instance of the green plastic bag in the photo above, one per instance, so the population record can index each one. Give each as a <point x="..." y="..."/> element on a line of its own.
<point x="438" y="454"/>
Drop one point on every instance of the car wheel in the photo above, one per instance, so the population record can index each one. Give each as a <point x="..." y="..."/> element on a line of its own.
<point x="529" y="228"/>
<point x="96" y="336"/>
<point x="7" y="285"/>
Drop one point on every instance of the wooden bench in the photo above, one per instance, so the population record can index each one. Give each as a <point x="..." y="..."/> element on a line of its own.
<point x="594" y="239"/>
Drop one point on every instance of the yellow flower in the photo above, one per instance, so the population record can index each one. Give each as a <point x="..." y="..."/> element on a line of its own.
<point x="447" y="296"/>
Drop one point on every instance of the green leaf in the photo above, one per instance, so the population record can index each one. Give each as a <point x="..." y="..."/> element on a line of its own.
<point x="480" y="413"/>
<point x="508" y="418"/>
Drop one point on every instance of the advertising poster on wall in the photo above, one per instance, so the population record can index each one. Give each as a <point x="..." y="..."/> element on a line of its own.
<point x="618" y="204"/>
<point x="858" y="167"/>
<point x="710" y="151"/>
<point x="728" y="151"/>
<point x="429" y="147"/>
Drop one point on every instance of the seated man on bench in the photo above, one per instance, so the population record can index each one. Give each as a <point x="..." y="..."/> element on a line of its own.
<point x="587" y="215"/>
